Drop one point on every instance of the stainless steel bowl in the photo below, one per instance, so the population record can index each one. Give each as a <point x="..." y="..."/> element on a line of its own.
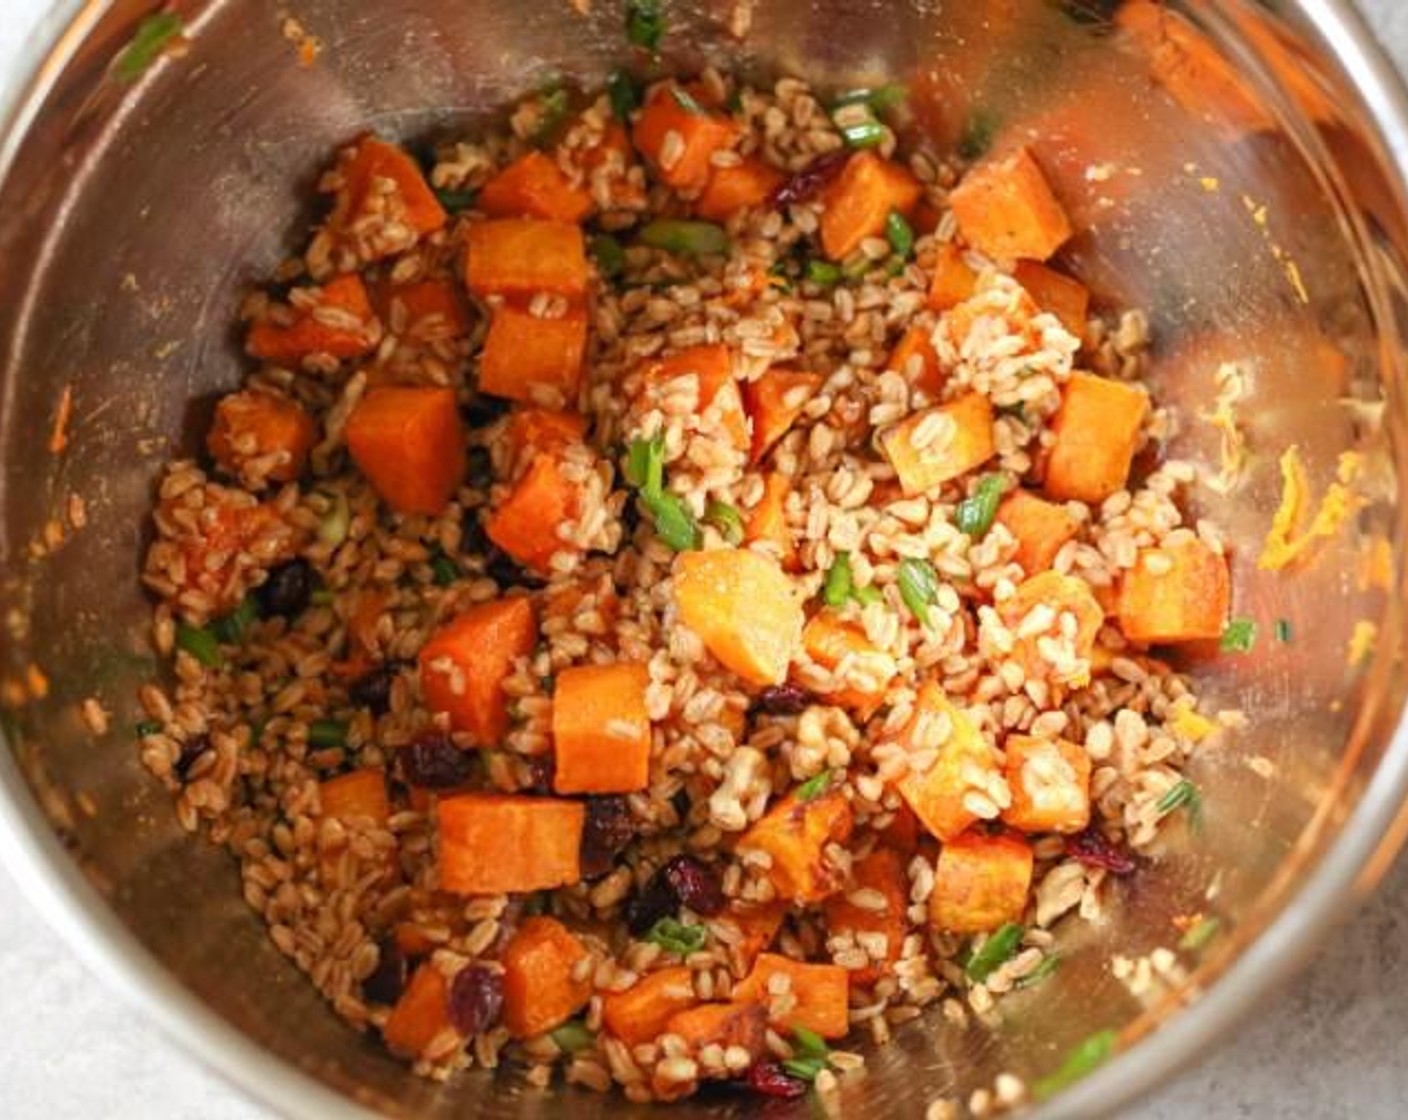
<point x="130" y="215"/>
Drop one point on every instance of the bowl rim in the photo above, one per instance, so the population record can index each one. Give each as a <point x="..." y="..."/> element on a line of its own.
<point x="54" y="884"/>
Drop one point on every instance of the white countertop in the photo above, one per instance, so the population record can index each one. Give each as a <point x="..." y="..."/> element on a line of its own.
<point x="1331" y="1046"/>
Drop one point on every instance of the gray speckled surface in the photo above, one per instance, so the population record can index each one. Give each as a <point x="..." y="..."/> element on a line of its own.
<point x="1331" y="1046"/>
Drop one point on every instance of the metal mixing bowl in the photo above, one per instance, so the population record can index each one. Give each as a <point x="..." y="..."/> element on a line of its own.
<point x="131" y="215"/>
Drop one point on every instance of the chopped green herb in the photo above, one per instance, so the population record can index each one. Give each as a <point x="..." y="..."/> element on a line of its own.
<point x="1183" y="795"/>
<point x="837" y="589"/>
<point x="685" y="100"/>
<point x="443" y="569"/>
<point x="572" y="1036"/>
<point x="825" y="273"/>
<point x="1199" y="933"/>
<point x="1042" y="972"/>
<point x="645" y="463"/>
<point x="867" y="595"/>
<point x="645" y="470"/>
<point x="977" y="135"/>
<point x="1283" y="630"/>
<point x="857" y="268"/>
<point x="675" y="937"/>
<point x="686" y="237"/>
<point x="880" y="98"/>
<point x="645" y="24"/>
<point x="229" y="629"/>
<point x="455" y="200"/>
<point x="810" y="1054"/>
<point x="154" y="34"/>
<point x="148" y="727"/>
<point x="199" y="643"/>
<point x="1083" y="1060"/>
<point x="321" y="596"/>
<point x="865" y="132"/>
<point x="900" y="234"/>
<point x="919" y="587"/>
<point x="976" y="512"/>
<point x="333" y="526"/>
<point x="726" y="519"/>
<point x="622" y="93"/>
<point x="1239" y="637"/>
<point x="814" y="786"/>
<point x="327" y="733"/>
<point x="994" y="952"/>
<point x="609" y="256"/>
<point x="553" y="107"/>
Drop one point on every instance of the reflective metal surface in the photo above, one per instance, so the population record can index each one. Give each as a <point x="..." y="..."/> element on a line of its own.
<point x="1258" y="213"/>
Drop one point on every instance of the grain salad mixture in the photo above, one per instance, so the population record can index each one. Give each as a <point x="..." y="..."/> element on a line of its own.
<point x="674" y="595"/>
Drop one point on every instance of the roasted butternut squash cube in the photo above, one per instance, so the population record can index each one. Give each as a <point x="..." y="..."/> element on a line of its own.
<point x="964" y="777"/>
<point x="875" y="902"/>
<point x="1054" y="619"/>
<point x="1006" y="209"/>
<point x="338" y="322"/>
<point x="815" y="995"/>
<point x="642" y="1012"/>
<point x="859" y="202"/>
<point x="722" y="1025"/>
<point x="917" y="361"/>
<point x="1041" y="529"/>
<point x="1177" y="593"/>
<point x="525" y="524"/>
<point x="953" y="281"/>
<point x="795" y="833"/>
<point x="409" y="441"/>
<point x="678" y="137"/>
<point x="751" y="928"/>
<point x="492" y="843"/>
<point x="1050" y="784"/>
<point x="534" y="186"/>
<point x="767" y="521"/>
<point x="980" y="883"/>
<point x="537" y="361"/>
<point x="773" y="403"/>
<point x="420" y="1015"/>
<point x="744" y="609"/>
<point x="542" y="989"/>
<point x="718" y="392"/>
<point x="358" y="796"/>
<point x="748" y="184"/>
<point x="1055" y="292"/>
<point x="936" y="445"/>
<point x="1096" y="432"/>
<point x="372" y="165"/>
<point x="831" y="643"/>
<point x="272" y="435"/>
<point x="519" y="257"/>
<point x="465" y="663"/>
<point x="601" y="729"/>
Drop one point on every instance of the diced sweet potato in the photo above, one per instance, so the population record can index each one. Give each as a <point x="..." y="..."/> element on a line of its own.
<point x="422" y="1012"/>
<point x="980" y="883"/>
<point x="493" y="843"/>
<point x="860" y="200"/>
<point x="642" y="1012"/>
<point x="828" y="641"/>
<point x="538" y="361"/>
<point x="743" y="186"/>
<point x="543" y="431"/>
<point x="767" y="521"/>
<point x="601" y="729"/>
<point x="608" y="161"/>
<point x="215" y="550"/>
<point x="1041" y="529"/>
<point x="903" y="832"/>
<point x="1178" y="593"/>
<point x="410" y="200"/>
<point x="1050" y="784"/>
<point x="252" y="425"/>
<point x="722" y="1025"/>
<point x="1046" y="645"/>
<point x="820" y="992"/>
<point x="795" y="834"/>
<point x="534" y="186"/>
<point x="357" y="796"/>
<point x="541" y="990"/>
<point x="523" y="256"/>
<point x="339" y="323"/>
<point x="744" y="609"/>
<point x="935" y="445"/>
<point x="410" y="443"/>
<point x="678" y="140"/>
<point x="430" y="309"/>
<point x="465" y="663"/>
<point x="953" y="280"/>
<point x="1096" y="431"/>
<point x="1061" y="295"/>
<point x="965" y="764"/>
<point x="525" y="524"/>
<point x="1006" y="209"/>
<point x="757" y="925"/>
<point x="917" y="360"/>
<point x="718" y="391"/>
<point x="774" y="401"/>
<point x="882" y="876"/>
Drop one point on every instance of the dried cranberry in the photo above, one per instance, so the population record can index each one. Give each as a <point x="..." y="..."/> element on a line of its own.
<point x="388" y="979"/>
<point x="189" y="753"/>
<point x="771" y="1080"/>
<point x="784" y="699"/>
<point x="476" y="998"/>
<point x="695" y="885"/>
<point x="372" y="690"/>
<point x="810" y="180"/>
<point x="1093" y="849"/>
<point x="434" y="762"/>
<point x="609" y="828"/>
<point x="648" y="905"/>
<point x="288" y="590"/>
<point x="484" y="410"/>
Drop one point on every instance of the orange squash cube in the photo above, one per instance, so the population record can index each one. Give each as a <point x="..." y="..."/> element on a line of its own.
<point x="743" y="186"/>
<point x="882" y="875"/>
<point x="428" y="309"/>
<point x="465" y="663"/>
<point x="767" y="521"/>
<point x="981" y="882"/>
<point x="523" y="256"/>
<point x="420" y="1015"/>
<point x="744" y="609"/>
<point x="754" y="927"/>
<point x="339" y="323"/>
<point x="953" y="282"/>
<point x="642" y="1012"/>
<point x="1055" y="292"/>
<point x="495" y="843"/>
<point x="859" y="202"/>
<point x="820" y="993"/>
<point x="917" y="361"/>
<point x="1050" y="784"/>
<point x="537" y="361"/>
<point x="679" y="140"/>
<point x="828" y="641"/>
<point x="718" y="392"/>
<point x="360" y="795"/>
<point x="534" y="186"/>
<point x="542" y="431"/>
<point x="525" y="524"/>
<point x="1096" y="431"/>
<point x="541" y="990"/>
<point x="1046" y="645"/>
<point x="373" y="162"/>
<point x="723" y="1025"/>
<point x="1178" y="593"/>
<point x="1006" y="209"/>
<point x="942" y="797"/>
<point x="1041" y="529"/>
<point x="773" y="402"/>
<point x="795" y="834"/>
<point x="410" y="443"/>
<point x="939" y="444"/>
<point x="254" y="425"/>
<point x="601" y="729"/>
